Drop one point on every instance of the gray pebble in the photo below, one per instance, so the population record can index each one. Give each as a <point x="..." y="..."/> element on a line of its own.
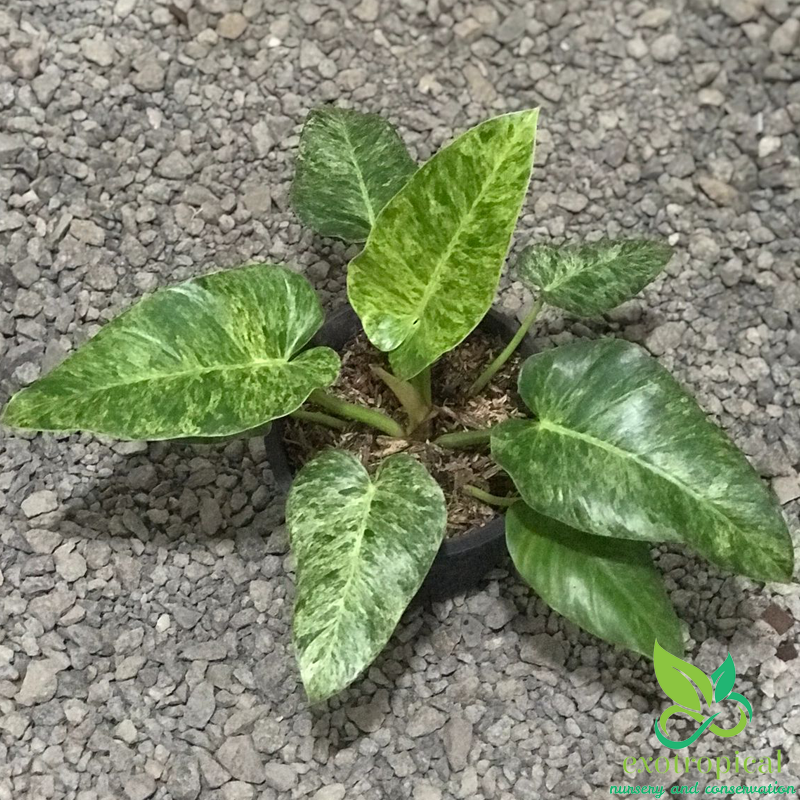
<point x="150" y="585"/>
<point x="98" y="50"/>
<point x="785" y="38"/>
<point x="543" y="650"/>
<point x="240" y="758"/>
<point x="232" y="26"/>
<point x="739" y="11"/>
<point x="457" y="739"/>
<point x="200" y="706"/>
<point x="175" y="166"/>
<point x="38" y="503"/>
<point x="281" y="777"/>
<point x="425" y="721"/>
<point x="40" y="683"/>
<point x="150" y="78"/>
<point x="183" y="782"/>
<point x="666" y="48"/>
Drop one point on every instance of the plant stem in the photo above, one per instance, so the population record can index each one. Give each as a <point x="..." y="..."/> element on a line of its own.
<point x="422" y="383"/>
<point x="464" y="438"/>
<point x="369" y="416"/>
<point x="491" y="499"/>
<point x="493" y="368"/>
<point x="319" y="418"/>
<point x="406" y="392"/>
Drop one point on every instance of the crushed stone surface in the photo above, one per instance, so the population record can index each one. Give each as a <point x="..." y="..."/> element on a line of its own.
<point x="146" y="590"/>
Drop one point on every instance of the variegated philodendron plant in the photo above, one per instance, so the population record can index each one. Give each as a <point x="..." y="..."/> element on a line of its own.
<point x="613" y="457"/>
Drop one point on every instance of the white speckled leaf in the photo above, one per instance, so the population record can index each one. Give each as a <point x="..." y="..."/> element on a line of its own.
<point x="609" y="587"/>
<point x="430" y="268"/>
<point x="348" y="167"/>
<point x="619" y="449"/>
<point x="363" y="547"/>
<point x="211" y="357"/>
<point x="592" y="278"/>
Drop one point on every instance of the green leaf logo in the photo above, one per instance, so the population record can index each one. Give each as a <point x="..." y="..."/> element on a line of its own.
<point x="688" y="686"/>
<point x="674" y="675"/>
<point x="724" y="676"/>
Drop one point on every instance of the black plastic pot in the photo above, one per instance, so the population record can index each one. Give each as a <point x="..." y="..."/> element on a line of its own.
<point x="462" y="560"/>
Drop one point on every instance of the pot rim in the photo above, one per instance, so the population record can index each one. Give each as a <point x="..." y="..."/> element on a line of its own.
<point x="458" y="544"/>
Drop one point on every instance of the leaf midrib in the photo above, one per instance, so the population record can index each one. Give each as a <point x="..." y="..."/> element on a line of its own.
<point x="434" y="283"/>
<point x="546" y="424"/>
<point x="628" y="594"/>
<point x="584" y="265"/>
<point x="360" y="175"/>
<point x="255" y="364"/>
<point x="567" y="277"/>
<point x="332" y="636"/>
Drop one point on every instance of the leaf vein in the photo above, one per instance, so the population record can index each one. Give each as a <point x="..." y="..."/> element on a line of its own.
<point x="360" y="176"/>
<point x="627" y="454"/>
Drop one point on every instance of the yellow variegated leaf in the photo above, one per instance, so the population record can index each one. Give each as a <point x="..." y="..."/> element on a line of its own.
<point x="211" y="357"/>
<point x="363" y="544"/>
<point x="430" y="268"/>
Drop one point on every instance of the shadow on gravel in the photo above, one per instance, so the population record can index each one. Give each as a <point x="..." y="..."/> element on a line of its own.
<point x="194" y="493"/>
<point x="216" y="513"/>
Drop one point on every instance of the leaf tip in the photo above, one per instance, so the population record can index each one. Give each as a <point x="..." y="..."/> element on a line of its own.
<point x="10" y="416"/>
<point x="674" y="648"/>
<point x="529" y="115"/>
<point x="315" y="695"/>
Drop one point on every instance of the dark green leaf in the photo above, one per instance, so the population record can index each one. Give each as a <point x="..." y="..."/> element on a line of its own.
<point x="608" y="587"/>
<point x="619" y="449"/>
<point x="363" y="547"/>
<point x="592" y="278"/>
<point x="349" y="166"/>
<point x="724" y="676"/>
<point x="430" y="268"/>
<point x="211" y="357"/>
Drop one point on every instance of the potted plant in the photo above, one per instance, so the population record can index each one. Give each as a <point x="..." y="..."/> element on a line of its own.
<point x="608" y="455"/>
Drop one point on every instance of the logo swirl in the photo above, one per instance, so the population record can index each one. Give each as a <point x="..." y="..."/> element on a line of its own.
<point x="678" y="679"/>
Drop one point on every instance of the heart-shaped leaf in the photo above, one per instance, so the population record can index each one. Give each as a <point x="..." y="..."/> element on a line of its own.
<point x="363" y="547"/>
<point x="674" y="673"/>
<point x="608" y="587"/>
<point x="431" y="265"/>
<point x="349" y="166"/>
<point x="619" y="449"/>
<point x="211" y="357"/>
<point x="724" y="676"/>
<point x="592" y="278"/>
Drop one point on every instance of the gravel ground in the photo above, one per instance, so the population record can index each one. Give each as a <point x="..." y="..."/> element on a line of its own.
<point x="145" y="590"/>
